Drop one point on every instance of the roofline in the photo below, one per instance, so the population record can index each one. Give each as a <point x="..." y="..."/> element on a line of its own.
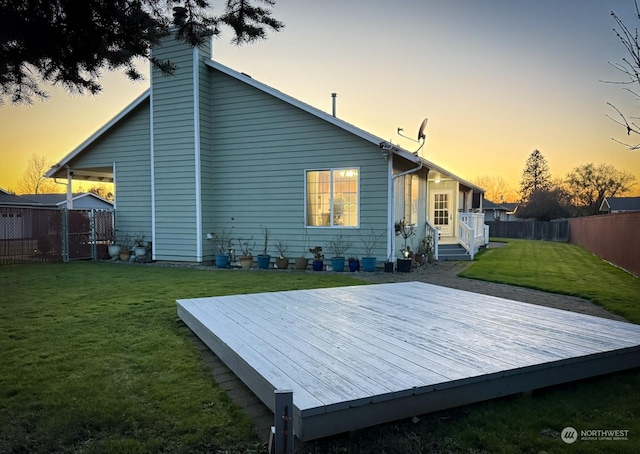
<point x="96" y="135"/>
<point x="335" y="121"/>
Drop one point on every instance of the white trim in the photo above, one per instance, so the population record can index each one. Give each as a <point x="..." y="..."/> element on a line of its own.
<point x="115" y="191"/>
<point x="152" y="158"/>
<point x="196" y="138"/>
<point x="391" y="241"/>
<point x="76" y="151"/>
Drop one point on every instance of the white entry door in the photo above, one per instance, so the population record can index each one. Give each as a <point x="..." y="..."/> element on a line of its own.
<point x="441" y="216"/>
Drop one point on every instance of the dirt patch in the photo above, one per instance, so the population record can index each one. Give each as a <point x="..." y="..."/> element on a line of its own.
<point x="446" y="275"/>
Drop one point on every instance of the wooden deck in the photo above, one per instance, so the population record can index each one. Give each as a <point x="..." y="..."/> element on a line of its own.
<point x="364" y="355"/>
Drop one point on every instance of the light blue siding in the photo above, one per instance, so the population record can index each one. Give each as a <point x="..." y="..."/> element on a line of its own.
<point x="262" y="147"/>
<point x="127" y="145"/>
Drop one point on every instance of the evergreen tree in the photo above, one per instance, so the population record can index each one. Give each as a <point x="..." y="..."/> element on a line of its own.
<point x="69" y="42"/>
<point x="535" y="176"/>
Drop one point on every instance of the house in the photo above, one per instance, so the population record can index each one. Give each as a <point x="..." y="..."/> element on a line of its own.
<point x="499" y="211"/>
<point x="210" y="148"/>
<point x="619" y="204"/>
<point x="80" y="200"/>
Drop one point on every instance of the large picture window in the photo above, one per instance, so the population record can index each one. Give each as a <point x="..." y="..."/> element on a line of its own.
<point x="332" y="198"/>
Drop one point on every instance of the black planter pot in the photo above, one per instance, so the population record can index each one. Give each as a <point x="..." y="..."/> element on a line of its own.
<point x="388" y="267"/>
<point x="404" y="265"/>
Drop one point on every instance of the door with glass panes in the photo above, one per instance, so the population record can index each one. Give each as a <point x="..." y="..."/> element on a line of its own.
<point x="441" y="216"/>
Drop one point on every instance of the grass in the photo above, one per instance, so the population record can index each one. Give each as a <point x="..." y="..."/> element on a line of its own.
<point x="94" y="359"/>
<point x="561" y="268"/>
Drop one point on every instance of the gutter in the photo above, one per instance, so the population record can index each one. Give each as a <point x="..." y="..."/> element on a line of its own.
<point x="392" y="205"/>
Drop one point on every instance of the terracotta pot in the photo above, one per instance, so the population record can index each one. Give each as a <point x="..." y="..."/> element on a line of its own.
<point x="246" y="261"/>
<point x="302" y="263"/>
<point x="282" y="263"/>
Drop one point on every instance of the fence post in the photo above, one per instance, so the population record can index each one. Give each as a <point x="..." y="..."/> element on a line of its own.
<point x="282" y="436"/>
<point x="65" y="234"/>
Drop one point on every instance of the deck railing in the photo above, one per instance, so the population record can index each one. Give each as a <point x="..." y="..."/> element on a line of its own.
<point x="472" y="232"/>
<point x="435" y="234"/>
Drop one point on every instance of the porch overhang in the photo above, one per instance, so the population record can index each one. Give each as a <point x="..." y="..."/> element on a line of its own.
<point x="97" y="174"/>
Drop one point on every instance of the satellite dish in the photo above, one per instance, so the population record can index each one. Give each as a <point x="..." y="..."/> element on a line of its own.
<point x="421" y="135"/>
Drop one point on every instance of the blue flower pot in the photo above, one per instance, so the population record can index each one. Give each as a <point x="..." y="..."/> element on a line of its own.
<point x="337" y="263"/>
<point x="222" y="261"/>
<point x="369" y="264"/>
<point x="354" y="266"/>
<point x="318" y="265"/>
<point x="263" y="261"/>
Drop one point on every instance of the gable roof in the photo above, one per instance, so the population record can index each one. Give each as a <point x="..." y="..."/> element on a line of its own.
<point x="489" y="205"/>
<point x="383" y="144"/>
<point x="60" y="198"/>
<point x="96" y="135"/>
<point x="620" y="204"/>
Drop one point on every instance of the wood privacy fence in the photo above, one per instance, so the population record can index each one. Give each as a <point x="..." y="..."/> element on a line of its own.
<point x="556" y="230"/>
<point x="614" y="237"/>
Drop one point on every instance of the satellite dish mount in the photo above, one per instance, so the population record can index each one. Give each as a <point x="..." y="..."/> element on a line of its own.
<point x="421" y="135"/>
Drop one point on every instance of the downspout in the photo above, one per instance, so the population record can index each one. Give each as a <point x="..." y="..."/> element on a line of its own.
<point x="392" y="205"/>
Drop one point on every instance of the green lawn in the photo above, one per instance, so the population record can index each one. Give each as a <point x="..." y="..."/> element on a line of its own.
<point x="94" y="359"/>
<point x="561" y="268"/>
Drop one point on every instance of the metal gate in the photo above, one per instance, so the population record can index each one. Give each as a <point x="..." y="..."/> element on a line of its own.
<point x="86" y="234"/>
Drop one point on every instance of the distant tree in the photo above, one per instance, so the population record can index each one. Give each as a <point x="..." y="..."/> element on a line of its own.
<point x="101" y="191"/>
<point x="496" y="188"/>
<point x="630" y="68"/>
<point x="69" y="42"/>
<point x="588" y="184"/>
<point x="545" y="205"/>
<point x="33" y="180"/>
<point x="535" y="176"/>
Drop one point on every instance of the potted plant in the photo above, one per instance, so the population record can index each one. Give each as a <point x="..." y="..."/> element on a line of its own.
<point x="370" y="242"/>
<point x="264" y="259"/>
<point x="303" y="261"/>
<point x="318" y="258"/>
<point x="338" y="246"/>
<point x="140" y="246"/>
<point x="125" y="248"/>
<point x="222" y="243"/>
<point x="354" y="264"/>
<point x="282" y="261"/>
<point x="425" y="249"/>
<point x="114" y="248"/>
<point x="406" y="231"/>
<point x="246" y="258"/>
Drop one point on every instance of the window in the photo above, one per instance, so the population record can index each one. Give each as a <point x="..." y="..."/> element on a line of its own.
<point x="411" y="198"/>
<point x="332" y="197"/>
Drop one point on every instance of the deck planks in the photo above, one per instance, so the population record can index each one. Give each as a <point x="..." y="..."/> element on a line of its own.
<point x="362" y="355"/>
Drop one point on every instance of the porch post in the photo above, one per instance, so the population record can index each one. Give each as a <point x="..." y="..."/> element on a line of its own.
<point x="69" y="189"/>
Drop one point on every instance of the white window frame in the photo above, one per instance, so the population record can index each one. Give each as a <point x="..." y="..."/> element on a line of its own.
<point x="331" y="197"/>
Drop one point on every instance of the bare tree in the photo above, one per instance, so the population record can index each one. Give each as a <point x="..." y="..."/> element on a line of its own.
<point x="103" y="191"/>
<point x="588" y="184"/>
<point x="33" y="180"/>
<point x="630" y="68"/>
<point x="496" y="188"/>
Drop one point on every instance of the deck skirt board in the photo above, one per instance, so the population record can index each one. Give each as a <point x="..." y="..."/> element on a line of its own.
<point x="362" y="355"/>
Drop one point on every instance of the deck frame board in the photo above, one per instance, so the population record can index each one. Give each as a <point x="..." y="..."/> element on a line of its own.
<point x="363" y="355"/>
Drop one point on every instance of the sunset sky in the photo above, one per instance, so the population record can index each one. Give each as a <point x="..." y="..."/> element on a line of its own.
<point x="497" y="79"/>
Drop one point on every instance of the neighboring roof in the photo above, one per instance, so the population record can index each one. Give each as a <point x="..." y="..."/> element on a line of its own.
<point x="61" y="198"/>
<point x="489" y="205"/>
<point x="620" y="204"/>
<point x="11" y="199"/>
<point x="383" y="144"/>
